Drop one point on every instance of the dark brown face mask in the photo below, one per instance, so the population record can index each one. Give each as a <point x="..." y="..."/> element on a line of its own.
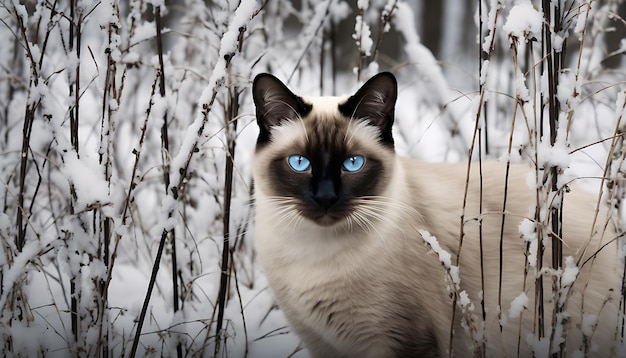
<point x="324" y="173"/>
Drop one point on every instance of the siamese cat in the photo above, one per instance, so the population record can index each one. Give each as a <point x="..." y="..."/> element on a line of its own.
<point x="341" y="230"/>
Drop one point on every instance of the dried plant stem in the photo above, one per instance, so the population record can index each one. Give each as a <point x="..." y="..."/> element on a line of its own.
<point x="165" y="148"/>
<point x="243" y="317"/>
<point x="518" y="104"/>
<point x="111" y="92"/>
<point x="17" y="299"/>
<point x="552" y="57"/>
<point x="482" y="56"/>
<point x="475" y="138"/>
<point x="164" y="235"/>
<point x="146" y="301"/>
<point x="230" y="125"/>
<point x="386" y="17"/>
<point x="102" y="231"/>
<point x="29" y="117"/>
<point x="74" y="119"/>
<point x="75" y="34"/>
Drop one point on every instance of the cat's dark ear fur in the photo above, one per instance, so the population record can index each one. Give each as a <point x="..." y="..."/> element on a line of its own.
<point x="375" y="102"/>
<point x="275" y="103"/>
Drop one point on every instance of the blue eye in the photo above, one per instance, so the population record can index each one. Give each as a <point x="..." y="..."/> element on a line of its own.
<point x="299" y="163"/>
<point x="353" y="163"/>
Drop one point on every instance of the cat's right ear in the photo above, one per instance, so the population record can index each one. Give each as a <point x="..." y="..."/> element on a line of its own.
<point x="375" y="102"/>
<point x="275" y="103"/>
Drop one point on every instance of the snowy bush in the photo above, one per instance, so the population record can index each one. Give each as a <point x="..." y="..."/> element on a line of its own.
<point x="127" y="131"/>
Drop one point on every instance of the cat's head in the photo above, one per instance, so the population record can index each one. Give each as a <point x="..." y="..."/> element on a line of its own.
<point x="324" y="158"/>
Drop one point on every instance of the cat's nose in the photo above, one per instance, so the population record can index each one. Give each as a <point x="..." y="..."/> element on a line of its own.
<point x="325" y="196"/>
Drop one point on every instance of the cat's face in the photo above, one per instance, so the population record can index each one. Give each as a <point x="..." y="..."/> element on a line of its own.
<point x="321" y="158"/>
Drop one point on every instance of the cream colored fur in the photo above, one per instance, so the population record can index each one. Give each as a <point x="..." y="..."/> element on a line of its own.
<point x="371" y="277"/>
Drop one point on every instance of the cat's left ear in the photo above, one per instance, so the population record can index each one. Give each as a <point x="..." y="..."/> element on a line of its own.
<point x="375" y="102"/>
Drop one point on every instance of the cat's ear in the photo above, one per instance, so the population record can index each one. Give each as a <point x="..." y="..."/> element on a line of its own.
<point x="375" y="103"/>
<point x="275" y="103"/>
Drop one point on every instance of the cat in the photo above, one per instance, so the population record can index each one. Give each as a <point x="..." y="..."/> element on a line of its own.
<point x="341" y="230"/>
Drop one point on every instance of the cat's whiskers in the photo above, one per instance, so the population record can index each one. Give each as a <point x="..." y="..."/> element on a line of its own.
<point x="371" y="210"/>
<point x="285" y="211"/>
<point x="285" y="216"/>
<point x="360" y="220"/>
<point x="387" y="205"/>
<point x="367" y="214"/>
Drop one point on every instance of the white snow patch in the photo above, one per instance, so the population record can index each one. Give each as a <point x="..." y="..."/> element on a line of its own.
<point x="589" y="323"/>
<point x="444" y="256"/>
<point x="583" y="15"/>
<point x="524" y="21"/>
<point x="495" y="6"/>
<point x="5" y="223"/>
<point x="465" y="301"/>
<point x="540" y="346"/>
<point x="620" y="104"/>
<point x="529" y="233"/>
<point x="558" y="40"/>
<point x="553" y="156"/>
<point x="88" y="181"/>
<point x="569" y="273"/>
<point x="518" y="305"/>
<point x="362" y="35"/>
<point x="18" y="269"/>
<point x="484" y="71"/>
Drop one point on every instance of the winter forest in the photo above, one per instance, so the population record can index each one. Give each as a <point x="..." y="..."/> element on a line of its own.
<point x="127" y="130"/>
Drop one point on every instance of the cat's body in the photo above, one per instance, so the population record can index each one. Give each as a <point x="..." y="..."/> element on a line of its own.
<point x="339" y="228"/>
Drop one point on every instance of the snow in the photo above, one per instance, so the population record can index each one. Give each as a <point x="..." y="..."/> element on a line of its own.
<point x="362" y="35"/>
<point x="228" y="46"/>
<point x="569" y="273"/>
<point x="484" y="71"/>
<point x="589" y="322"/>
<point x="583" y="16"/>
<point x="528" y="229"/>
<point x="554" y="155"/>
<point x="565" y="91"/>
<point x="444" y="256"/>
<point x="494" y="9"/>
<point x="520" y="87"/>
<point x="464" y="300"/>
<point x="540" y="346"/>
<point x="518" y="305"/>
<point x="524" y="21"/>
<point x="5" y="224"/>
<point x="89" y="183"/>
<point x="144" y="32"/>
<point x="620" y="104"/>
<point x="446" y="260"/>
<point x="17" y="270"/>
<point x="557" y="42"/>
<point x="20" y="10"/>
<point x="427" y="65"/>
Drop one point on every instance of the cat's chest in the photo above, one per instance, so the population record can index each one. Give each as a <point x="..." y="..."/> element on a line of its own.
<point x="337" y="305"/>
